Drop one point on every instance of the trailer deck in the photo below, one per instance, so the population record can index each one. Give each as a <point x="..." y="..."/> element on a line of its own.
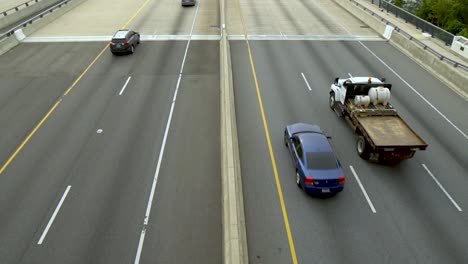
<point x="390" y="131"/>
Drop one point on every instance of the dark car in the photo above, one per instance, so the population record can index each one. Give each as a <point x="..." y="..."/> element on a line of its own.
<point x="318" y="170"/>
<point x="124" y="41"/>
<point x="188" y="2"/>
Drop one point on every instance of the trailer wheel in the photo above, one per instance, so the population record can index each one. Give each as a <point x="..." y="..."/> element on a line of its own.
<point x="332" y="100"/>
<point x="363" y="148"/>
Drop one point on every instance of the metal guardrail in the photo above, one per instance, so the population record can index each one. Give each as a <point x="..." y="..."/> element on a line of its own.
<point x="410" y="37"/>
<point x="376" y="2"/>
<point x="23" y="24"/>
<point x="19" y="7"/>
<point x="422" y="24"/>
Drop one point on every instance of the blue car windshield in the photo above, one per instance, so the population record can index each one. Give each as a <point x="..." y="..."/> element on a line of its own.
<point x="321" y="161"/>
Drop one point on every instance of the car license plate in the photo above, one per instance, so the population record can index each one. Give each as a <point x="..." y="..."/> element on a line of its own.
<point x="325" y="190"/>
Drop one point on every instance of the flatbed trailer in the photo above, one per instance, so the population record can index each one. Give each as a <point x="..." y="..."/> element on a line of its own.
<point x="385" y="133"/>
<point x="381" y="133"/>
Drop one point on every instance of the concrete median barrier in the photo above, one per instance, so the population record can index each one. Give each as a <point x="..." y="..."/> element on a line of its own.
<point x="234" y="230"/>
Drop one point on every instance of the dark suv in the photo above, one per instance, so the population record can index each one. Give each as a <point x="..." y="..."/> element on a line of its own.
<point x="124" y="40"/>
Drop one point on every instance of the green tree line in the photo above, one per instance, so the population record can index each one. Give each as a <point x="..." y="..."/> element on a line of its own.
<point x="451" y="15"/>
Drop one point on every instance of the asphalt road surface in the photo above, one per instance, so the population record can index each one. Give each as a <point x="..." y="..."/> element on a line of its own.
<point x="104" y="140"/>
<point x="414" y="221"/>
<point x="126" y="166"/>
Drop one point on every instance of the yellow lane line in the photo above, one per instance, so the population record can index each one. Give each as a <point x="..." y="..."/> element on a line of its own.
<point x="136" y="13"/>
<point x="270" y="148"/>
<point x="84" y="72"/>
<point x="36" y="128"/>
<point x="29" y="136"/>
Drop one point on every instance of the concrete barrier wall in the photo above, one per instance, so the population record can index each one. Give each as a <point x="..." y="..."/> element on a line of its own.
<point x="31" y="28"/>
<point x="11" y="41"/>
<point x="24" y="12"/>
<point x="235" y="250"/>
<point x="457" y="79"/>
<point x="7" y="44"/>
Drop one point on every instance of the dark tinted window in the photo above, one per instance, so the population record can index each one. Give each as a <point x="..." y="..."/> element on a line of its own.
<point x="321" y="161"/>
<point x="119" y="40"/>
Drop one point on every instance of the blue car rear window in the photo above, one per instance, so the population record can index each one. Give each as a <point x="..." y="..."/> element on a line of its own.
<point x="321" y="161"/>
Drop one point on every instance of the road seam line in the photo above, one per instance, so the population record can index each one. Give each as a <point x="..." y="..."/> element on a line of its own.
<point x="305" y="80"/>
<point x="125" y="85"/>
<point x="363" y="190"/>
<point x="161" y="152"/>
<point x="442" y="188"/>
<point x="51" y="221"/>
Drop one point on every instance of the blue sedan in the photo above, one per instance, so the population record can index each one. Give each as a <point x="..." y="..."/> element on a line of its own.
<point x="318" y="170"/>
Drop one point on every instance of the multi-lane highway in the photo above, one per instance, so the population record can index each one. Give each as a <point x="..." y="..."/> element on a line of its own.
<point x="116" y="159"/>
<point x="411" y="213"/>
<point x="413" y="221"/>
<point x="111" y="159"/>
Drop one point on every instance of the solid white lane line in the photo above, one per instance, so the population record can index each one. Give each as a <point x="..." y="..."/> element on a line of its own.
<point x="410" y="86"/>
<point x="363" y="190"/>
<point x="125" y="85"/>
<point x="415" y="91"/>
<point x="305" y="80"/>
<point x="53" y="216"/>
<point x="163" y="146"/>
<point x="350" y="76"/>
<point x="442" y="188"/>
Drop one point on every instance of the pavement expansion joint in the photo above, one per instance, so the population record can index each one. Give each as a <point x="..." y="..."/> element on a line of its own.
<point x="206" y="37"/>
<point x="308" y="37"/>
<point x="108" y="38"/>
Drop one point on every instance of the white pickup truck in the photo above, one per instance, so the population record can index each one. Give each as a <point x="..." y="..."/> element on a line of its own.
<point x="382" y="134"/>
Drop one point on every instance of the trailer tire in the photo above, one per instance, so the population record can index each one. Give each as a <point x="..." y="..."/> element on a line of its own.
<point x="363" y="148"/>
<point x="332" y="101"/>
